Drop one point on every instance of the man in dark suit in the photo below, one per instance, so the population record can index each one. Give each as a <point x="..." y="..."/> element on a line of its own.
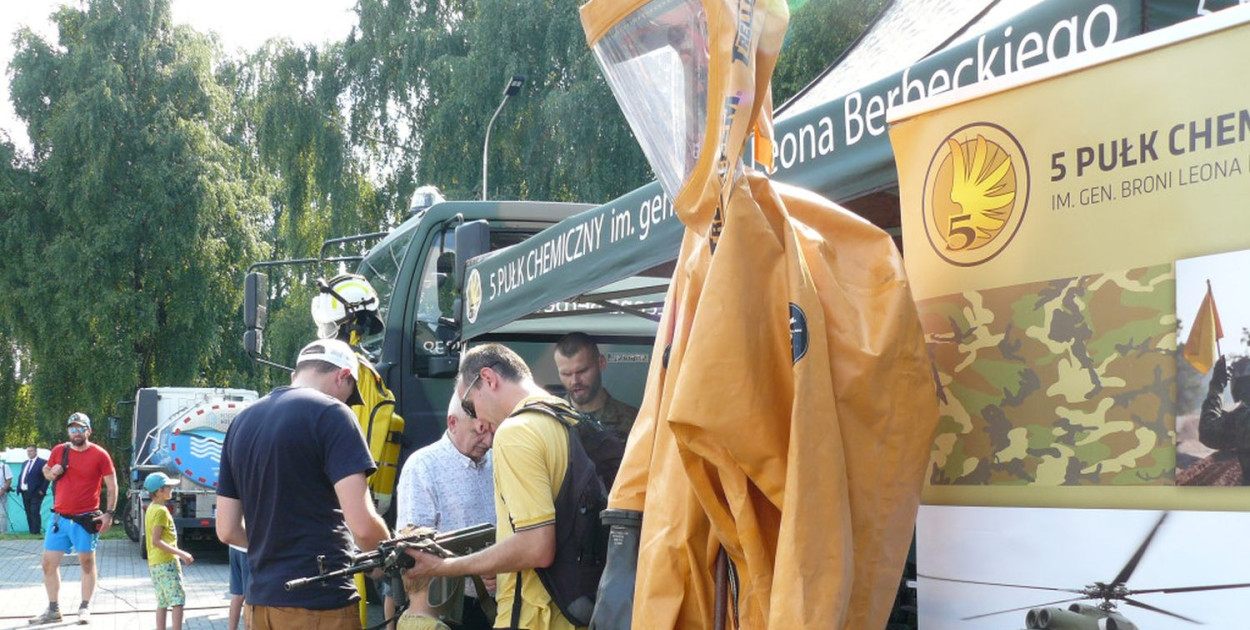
<point x="32" y="486"/>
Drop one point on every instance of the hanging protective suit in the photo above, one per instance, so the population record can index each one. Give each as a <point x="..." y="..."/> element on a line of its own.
<point x="791" y="417"/>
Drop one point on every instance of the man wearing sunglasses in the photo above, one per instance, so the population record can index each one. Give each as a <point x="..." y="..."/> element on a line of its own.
<point x="77" y="469"/>
<point x="531" y="454"/>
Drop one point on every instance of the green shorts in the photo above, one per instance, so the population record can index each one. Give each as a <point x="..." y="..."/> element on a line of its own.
<point x="167" y="577"/>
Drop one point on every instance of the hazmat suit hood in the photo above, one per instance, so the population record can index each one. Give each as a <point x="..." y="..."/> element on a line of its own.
<point x="658" y="56"/>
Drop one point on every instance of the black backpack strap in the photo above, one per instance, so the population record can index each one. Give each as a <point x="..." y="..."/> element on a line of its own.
<point x="516" y="604"/>
<point x="560" y="412"/>
<point x="64" y="466"/>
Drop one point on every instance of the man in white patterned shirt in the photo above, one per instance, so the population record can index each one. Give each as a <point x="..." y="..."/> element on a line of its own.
<point x="449" y="485"/>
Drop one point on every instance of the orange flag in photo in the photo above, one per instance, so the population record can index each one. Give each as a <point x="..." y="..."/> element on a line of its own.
<point x="1200" y="347"/>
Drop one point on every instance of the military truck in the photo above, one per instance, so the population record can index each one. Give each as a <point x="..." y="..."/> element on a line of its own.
<point x="412" y="268"/>
<point x="179" y="431"/>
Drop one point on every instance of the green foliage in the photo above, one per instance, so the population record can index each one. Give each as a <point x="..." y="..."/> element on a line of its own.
<point x="418" y="82"/>
<point x="17" y="426"/>
<point x="437" y="70"/>
<point x="820" y="30"/>
<point x="126" y="258"/>
<point x="292" y="129"/>
<point x="17" y="419"/>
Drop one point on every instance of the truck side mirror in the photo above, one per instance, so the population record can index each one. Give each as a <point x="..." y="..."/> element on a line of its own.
<point x="253" y="340"/>
<point x="255" y="301"/>
<point x="472" y="240"/>
<point x="255" y="311"/>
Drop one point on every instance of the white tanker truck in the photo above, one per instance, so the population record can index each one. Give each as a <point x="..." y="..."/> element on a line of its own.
<point x="179" y="431"/>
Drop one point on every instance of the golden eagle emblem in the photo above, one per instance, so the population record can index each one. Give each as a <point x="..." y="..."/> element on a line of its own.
<point x="975" y="193"/>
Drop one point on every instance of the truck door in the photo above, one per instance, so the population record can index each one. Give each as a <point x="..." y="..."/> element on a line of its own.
<point x="425" y="385"/>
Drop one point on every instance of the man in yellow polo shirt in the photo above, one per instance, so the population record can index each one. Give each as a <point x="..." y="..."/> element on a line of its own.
<point x="531" y="455"/>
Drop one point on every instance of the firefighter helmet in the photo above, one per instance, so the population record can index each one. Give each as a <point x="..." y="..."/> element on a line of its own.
<point x="349" y="297"/>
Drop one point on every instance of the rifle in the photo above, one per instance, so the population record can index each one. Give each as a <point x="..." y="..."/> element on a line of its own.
<point x="390" y="556"/>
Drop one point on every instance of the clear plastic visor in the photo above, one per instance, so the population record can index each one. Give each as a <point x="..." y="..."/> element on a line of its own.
<point x="656" y="62"/>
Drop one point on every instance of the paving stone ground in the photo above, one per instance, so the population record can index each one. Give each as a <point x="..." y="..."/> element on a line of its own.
<point x="124" y="597"/>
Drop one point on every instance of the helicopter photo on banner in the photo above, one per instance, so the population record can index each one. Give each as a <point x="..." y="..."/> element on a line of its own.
<point x="1072" y="569"/>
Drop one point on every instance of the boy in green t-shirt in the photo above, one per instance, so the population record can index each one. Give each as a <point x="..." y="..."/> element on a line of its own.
<point x="163" y="551"/>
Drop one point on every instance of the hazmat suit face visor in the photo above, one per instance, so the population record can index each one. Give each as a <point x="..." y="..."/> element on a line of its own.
<point x="655" y="59"/>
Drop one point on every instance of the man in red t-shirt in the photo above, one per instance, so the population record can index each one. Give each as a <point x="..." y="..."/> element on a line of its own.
<point x="77" y="476"/>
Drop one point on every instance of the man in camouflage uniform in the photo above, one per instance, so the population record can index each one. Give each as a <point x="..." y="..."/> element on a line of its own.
<point x="1228" y="430"/>
<point x="581" y="370"/>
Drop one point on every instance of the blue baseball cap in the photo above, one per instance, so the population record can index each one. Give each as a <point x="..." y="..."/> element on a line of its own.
<point x="158" y="480"/>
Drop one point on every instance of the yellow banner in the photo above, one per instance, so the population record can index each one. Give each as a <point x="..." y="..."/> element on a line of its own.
<point x="1124" y="164"/>
<point x="1042" y="217"/>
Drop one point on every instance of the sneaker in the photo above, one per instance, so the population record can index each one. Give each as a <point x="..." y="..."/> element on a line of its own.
<point x="48" y="616"/>
<point x="84" y="614"/>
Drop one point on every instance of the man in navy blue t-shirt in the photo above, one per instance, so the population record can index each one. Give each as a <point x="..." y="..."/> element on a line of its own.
<point x="293" y="469"/>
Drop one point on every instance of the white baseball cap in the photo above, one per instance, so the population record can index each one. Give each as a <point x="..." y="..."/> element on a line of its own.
<point x="337" y="353"/>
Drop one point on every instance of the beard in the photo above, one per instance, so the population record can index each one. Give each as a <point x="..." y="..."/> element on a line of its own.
<point x="583" y="396"/>
<point x="78" y="439"/>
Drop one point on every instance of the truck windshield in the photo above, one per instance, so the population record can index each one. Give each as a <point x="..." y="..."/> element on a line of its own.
<point x="381" y="267"/>
<point x="437" y="294"/>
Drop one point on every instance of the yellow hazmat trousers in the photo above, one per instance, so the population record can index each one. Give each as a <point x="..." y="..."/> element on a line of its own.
<point x="383" y="430"/>
<point x="792" y="421"/>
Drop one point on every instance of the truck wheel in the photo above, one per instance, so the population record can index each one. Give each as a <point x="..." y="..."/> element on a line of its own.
<point x="130" y="521"/>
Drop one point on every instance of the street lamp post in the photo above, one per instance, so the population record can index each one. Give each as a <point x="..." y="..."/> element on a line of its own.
<point x="513" y="86"/>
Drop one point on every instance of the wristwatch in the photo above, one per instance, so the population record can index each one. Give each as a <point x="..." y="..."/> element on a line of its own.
<point x="110" y="513"/>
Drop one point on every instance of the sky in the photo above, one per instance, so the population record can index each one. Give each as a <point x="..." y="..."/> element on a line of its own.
<point x="241" y="24"/>
<point x="1227" y="274"/>
<point x="1070" y="548"/>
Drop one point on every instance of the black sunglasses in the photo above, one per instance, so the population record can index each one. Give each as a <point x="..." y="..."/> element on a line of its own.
<point x="469" y="408"/>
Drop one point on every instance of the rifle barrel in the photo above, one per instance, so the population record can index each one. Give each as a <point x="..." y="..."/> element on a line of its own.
<point x="460" y="540"/>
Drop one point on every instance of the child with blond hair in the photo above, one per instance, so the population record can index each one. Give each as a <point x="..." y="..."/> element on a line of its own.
<point x="416" y="615"/>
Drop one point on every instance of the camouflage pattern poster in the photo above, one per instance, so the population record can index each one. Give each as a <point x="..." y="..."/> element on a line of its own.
<point x="1043" y="215"/>
<point x="1060" y="382"/>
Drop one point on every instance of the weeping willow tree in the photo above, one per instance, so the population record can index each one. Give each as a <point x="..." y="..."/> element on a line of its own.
<point x="427" y="75"/>
<point x="161" y="168"/>
<point x="125" y="258"/>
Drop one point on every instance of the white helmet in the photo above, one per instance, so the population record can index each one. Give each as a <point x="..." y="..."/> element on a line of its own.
<point x="330" y="313"/>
